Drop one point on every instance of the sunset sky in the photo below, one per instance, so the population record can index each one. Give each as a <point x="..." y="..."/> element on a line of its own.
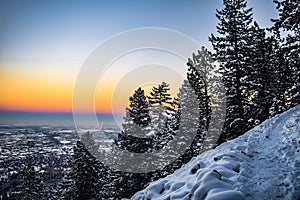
<point x="43" y="45"/>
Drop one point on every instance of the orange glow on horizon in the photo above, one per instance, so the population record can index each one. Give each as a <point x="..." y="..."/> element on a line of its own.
<point x="44" y="89"/>
<point x="31" y="91"/>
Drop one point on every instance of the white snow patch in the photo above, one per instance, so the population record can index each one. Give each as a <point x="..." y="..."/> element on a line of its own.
<point x="262" y="164"/>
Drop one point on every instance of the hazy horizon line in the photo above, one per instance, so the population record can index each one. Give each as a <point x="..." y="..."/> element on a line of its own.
<point x="57" y="112"/>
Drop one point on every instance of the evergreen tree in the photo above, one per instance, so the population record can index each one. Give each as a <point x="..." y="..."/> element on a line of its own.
<point x="82" y="180"/>
<point x="160" y="103"/>
<point x="164" y="120"/>
<point x="262" y="77"/>
<point x="289" y="20"/>
<point x="199" y="74"/>
<point x="89" y="143"/>
<point x="231" y="53"/>
<point x="171" y="124"/>
<point x="135" y="126"/>
<point x="137" y="115"/>
<point x="4" y="193"/>
<point x="283" y="81"/>
<point x="125" y="184"/>
<point x="189" y="110"/>
<point x="30" y="186"/>
<point x="138" y="108"/>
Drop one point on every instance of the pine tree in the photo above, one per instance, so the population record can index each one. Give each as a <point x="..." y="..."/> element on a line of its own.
<point x="125" y="184"/>
<point x="199" y="74"/>
<point x="137" y="114"/>
<point x="188" y="109"/>
<point x="283" y="81"/>
<point x="135" y="126"/>
<point x="231" y="53"/>
<point x="171" y="124"/>
<point x="89" y="143"/>
<point x="82" y="180"/>
<point x="31" y="186"/>
<point x="261" y="76"/>
<point x="160" y="103"/>
<point x="138" y="109"/>
<point x="289" y="20"/>
<point x="4" y="194"/>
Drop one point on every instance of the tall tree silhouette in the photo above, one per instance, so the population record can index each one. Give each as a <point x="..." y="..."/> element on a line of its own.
<point x="160" y="103"/>
<point x="82" y="180"/>
<point x="289" y="21"/>
<point x="30" y="186"/>
<point x="231" y="52"/>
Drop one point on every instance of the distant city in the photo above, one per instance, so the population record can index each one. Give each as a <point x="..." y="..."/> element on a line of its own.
<point x="45" y="138"/>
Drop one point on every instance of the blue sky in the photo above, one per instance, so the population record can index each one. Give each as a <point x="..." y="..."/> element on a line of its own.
<point x="43" y="43"/>
<point x="65" y="29"/>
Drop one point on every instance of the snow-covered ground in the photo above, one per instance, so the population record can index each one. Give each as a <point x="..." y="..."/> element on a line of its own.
<point x="262" y="164"/>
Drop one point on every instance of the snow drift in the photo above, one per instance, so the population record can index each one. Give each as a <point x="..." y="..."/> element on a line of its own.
<point x="262" y="164"/>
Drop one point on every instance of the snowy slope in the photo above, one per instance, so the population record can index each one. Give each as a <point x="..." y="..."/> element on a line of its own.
<point x="262" y="164"/>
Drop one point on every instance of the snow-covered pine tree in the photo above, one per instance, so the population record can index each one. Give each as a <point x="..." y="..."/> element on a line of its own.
<point x="30" y="184"/>
<point x="135" y="125"/>
<point x="89" y="143"/>
<point x="4" y="189"/>
<point x="139" y="108"/>
<point x="133" y="138"/>
<point x="171" y="124"/>
<point x="187" y="123"/>
<point x="127" y="183"/>
<point x="230" y="51"/>
<point x="164" y="115"/>
<point x="136" y="117"/>
<point x="261" y="76"/>
<point x="137" y="114"/>
<point x="190" y="114"/>
<point x="289" y="21"/>
<point x="160" y="103"/>
<point x="201" y="68"/>
<point x="82" y="179"/>
<point x="201" y="76"/>
<point x="283" y="81"/>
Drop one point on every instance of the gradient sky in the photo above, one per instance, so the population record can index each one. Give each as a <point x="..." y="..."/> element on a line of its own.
<point x="43" y="44"/>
